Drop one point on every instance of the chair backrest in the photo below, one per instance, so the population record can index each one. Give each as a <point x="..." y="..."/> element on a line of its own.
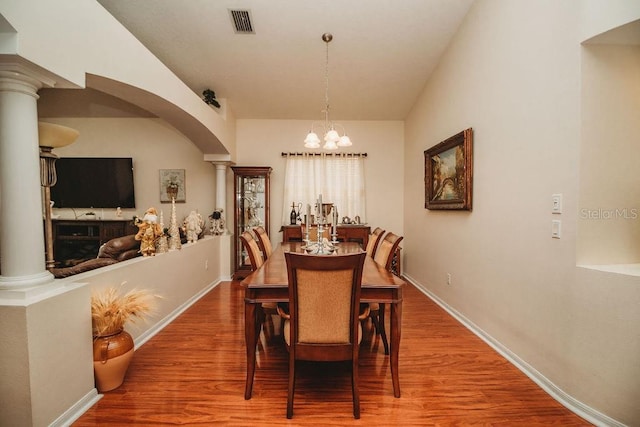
<point x="324" y="301"/>
<point x="251" y="246"/>
<point x="374" y="239"/>
<point x="263" y="241"/>
<point x="386" y="250"/>
<point x="313" y="232"/>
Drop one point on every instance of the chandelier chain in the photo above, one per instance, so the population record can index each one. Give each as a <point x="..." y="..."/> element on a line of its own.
<point x="326" y="78"/>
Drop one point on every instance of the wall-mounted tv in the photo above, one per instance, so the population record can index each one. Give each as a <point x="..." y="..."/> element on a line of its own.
<point x="94" y="182"/>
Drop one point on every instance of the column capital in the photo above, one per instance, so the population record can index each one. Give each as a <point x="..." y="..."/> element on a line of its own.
<point x="17" y="77"/>
<point x="218" y="159"/>
<point x="222" y="165"/>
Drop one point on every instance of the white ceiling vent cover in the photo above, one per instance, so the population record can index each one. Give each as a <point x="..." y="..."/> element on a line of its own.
<point x="242" y="21"/>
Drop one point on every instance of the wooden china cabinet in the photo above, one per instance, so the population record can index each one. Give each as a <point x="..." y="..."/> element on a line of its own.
<point x="251" y="209"/>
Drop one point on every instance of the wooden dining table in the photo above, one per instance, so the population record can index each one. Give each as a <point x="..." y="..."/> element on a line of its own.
<point x="269" y="283"/>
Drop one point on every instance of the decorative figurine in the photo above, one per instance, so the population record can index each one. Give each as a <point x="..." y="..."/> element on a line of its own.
<point x="217" y="222"/>
<point x="163" y="241"/>
<point x="192" y="226"/>
<point x="174" y="231"/>
<point x="148" y="232"/>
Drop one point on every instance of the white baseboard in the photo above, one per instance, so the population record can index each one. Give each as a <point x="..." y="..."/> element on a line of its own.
<point x="574" y="405"/>
<point x="79" y="408"/>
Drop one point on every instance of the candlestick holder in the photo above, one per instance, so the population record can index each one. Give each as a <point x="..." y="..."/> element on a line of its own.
<point x="320" y="233"/>
<point x="334" y="234"/>
<point x="320" y="246"/>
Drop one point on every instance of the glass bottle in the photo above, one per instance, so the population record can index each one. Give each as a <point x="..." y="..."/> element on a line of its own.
<point x="293" y="216"/>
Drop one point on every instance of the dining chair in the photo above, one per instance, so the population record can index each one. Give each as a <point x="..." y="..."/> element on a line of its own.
<point x="384" y="256"/>
<point x="374" y="239"/>
<point x="323" y="323"/>
<point x="253" y="250"/>
<point x="374" y="307"/>
<point x="256" y="259"/>
<point x="263" y="241"/>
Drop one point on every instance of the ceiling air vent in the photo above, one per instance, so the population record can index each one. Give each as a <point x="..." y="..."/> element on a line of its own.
<point x="242" y="21"/>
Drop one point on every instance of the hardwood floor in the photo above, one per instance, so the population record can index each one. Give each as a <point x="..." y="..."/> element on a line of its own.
<point x="193" y="372"/>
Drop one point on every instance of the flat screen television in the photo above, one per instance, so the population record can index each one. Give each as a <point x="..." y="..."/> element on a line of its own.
<point x="94" y="182"/>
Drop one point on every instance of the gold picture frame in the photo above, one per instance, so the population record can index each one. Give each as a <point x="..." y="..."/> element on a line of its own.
<point x="448" y="170"/>
<point x="172" y="181"/>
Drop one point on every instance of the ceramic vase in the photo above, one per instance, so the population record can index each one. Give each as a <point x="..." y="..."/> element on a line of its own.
<point x="112" y="354"/>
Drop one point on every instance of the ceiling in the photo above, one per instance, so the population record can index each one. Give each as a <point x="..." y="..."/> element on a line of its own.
<point x="381" y="55"/>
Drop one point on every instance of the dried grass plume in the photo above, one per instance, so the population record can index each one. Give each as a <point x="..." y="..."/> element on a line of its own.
<point x="111" y="310"/>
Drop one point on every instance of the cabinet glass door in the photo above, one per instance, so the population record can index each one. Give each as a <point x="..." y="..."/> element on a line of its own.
<point x="251" y="185"/>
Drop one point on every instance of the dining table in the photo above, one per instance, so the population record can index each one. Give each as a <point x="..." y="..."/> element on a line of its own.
<point x="269" y="284"/>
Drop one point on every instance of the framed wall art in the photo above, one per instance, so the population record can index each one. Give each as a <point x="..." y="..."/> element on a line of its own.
<point x="172" y="185"/>
<point x="448" y="173"/>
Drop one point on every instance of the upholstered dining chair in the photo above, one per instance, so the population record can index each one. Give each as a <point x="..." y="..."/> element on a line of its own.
<point x="323" y="323"/>
<point x="253" y="250"/>
<point x="384" y="256"/>
<point x="386" y="250"/>
<point x="263" y="241"/>
<point x="374" y="239"/>
<point x="256" y="259"/>
<point x="372" y="245"/>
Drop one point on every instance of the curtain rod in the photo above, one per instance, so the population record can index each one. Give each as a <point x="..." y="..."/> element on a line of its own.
<point x="326" y="154"/>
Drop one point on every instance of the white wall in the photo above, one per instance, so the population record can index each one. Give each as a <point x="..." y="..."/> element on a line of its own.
<point x="517" y="82"/>
<point x="261" y="142"/>
<point x="599" y="16"/>
<point x="153" y="145"/>
<point x="46" y="357"/>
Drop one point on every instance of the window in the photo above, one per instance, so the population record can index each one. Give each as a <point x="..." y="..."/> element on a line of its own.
<point x="338" y="177"/>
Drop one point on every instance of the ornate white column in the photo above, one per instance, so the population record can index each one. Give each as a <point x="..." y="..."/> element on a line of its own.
<point x="226" y="243"/>
<point x="221" y="189"/>
<point x="21" y="224"/>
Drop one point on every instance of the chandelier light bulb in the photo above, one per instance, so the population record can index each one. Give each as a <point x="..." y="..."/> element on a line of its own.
<point x="344" y="141"/>
<point x="332" y="136"/>
<point x="312" y="140"/>
<point x="330" y="145"/>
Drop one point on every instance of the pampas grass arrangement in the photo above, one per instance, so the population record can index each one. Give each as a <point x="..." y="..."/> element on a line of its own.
<point x="111" y="310"/>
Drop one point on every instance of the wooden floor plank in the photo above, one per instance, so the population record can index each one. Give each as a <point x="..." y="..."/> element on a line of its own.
<point x="193" y="371"/>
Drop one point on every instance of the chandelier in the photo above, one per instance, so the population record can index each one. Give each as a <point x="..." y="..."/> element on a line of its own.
<point x="332" y="139"/>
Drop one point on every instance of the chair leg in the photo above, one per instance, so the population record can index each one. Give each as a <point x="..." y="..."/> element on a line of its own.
<point x="355" y="389"/>
<point x="374" y="319"/>
<point x="292" y="385"/>
<point x="382" y="328"/>
<point x="270" y="327"/>
<point x="280" y="326"/>
<point x="260" y="319"/>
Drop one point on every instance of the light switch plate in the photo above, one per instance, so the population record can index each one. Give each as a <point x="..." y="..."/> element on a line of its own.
<point x="556" y="203"/>
<point x="556" y="228"/>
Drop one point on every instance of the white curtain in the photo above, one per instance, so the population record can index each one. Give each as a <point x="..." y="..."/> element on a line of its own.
<point x="338" y="177"/>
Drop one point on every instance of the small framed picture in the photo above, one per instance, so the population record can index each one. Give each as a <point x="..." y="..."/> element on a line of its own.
<point x="172" y="186"/>
<point x="448" y="173"/>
